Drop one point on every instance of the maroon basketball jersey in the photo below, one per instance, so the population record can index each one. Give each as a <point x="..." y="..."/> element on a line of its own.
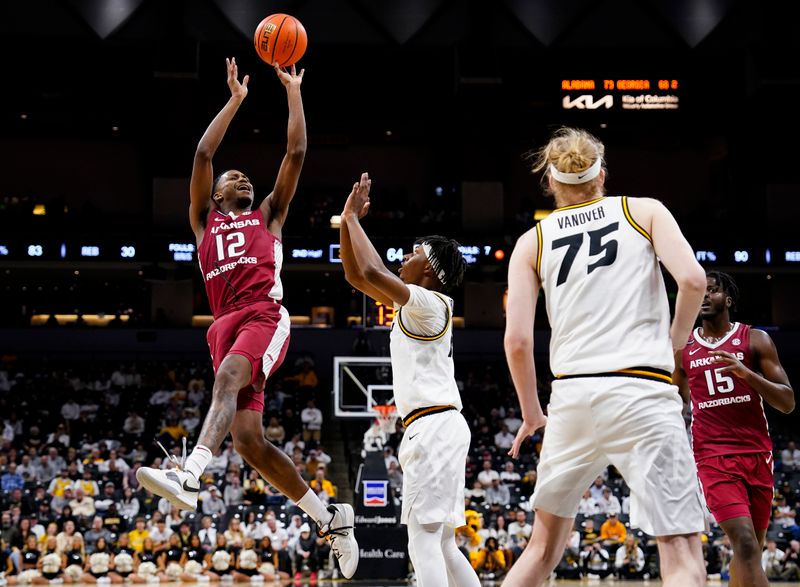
<point x="240" y="260"/>
<point x="727" y="414"/>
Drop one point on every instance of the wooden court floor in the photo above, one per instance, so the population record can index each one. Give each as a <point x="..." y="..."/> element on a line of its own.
<point x="378" y="583"/>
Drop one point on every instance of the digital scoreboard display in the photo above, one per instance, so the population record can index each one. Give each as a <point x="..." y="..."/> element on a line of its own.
<point x="620" y="94"/>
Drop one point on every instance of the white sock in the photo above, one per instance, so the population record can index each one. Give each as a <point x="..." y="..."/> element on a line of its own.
<point x="197" y="462"/>
<point x="311" y="505"/>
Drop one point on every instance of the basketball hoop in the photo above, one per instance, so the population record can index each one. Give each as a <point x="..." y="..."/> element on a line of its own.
<point x="387" y="416"/>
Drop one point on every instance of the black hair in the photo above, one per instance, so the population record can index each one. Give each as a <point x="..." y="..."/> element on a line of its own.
<point x="216" y="182"/>
<point x="449" y="259"/>
<point x="726" y="283"/>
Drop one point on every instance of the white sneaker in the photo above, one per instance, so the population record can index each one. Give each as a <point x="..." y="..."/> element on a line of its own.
<point x="176" y="485"/>
<point x="340" y="533"/>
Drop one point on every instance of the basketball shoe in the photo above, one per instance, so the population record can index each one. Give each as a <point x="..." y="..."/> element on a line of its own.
<point x="339" y="532"/>
<point x="179" y="487"/>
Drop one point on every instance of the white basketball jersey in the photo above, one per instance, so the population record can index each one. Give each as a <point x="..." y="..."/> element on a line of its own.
<point x="605" y="294"/>
<point x="422" y="352"/>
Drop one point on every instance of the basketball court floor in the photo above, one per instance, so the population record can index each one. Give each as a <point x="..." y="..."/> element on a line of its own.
<point x="374" y="583"/>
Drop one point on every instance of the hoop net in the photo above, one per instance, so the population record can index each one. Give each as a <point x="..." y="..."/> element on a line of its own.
<point x="387" y="416"/>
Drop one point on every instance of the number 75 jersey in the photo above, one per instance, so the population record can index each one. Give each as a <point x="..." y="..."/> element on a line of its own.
<point x="727" y="414"/>
<point x="240" y="260"/>
<point x="605" y="294"/>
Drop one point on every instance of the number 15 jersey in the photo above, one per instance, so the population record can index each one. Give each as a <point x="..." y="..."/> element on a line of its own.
<point x="606" y="299"/>
<point x="727" y="414"/>
<point x="240" y="260"/>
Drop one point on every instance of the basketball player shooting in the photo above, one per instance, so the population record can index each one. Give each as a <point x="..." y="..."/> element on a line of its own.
<point x="727" y="370"/>
<point x="434" y="448"/>
<point x="240" y="254"/>
<point x="611" y="350"/>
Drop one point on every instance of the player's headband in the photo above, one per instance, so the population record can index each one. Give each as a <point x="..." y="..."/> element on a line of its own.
<point x="581" y="176"/>
<point x="434" y="261"/>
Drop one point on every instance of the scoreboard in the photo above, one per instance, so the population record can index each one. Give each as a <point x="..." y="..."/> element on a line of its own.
<point x="605" y="94"/>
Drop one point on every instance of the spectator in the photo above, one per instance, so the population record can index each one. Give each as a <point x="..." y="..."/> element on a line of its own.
<point x="134" y="425"/>
<point x="71" y="410"/>
<point x="207" y="534"/>
<point x="503" y="439"/>
<point x="519" y="531"/>
<point x="489" y="562"/>
<point x="311" y="417"/>
<point x="588" y="506"/>
<point x="508" y="474"/>
<point x="191" y="419"/>
<point x="324" y="484"/>
<point x="612" y="532"/>
<point x="26" y="469"/>
<point x="213" y="504"/>
<point x="306" y="378"/>
<point x="83" y="505"/>
<point x="293" y="530"/>
<point x="595" y="560"/>
<point x="772" y="560"/>
<point x="275" y="433"/>
<point x="395" y="478"/>
<point x="511" y="421"/>
<point x="174" y="429"/>
<point x="596" y="488"/>
<point x="47" y="467"/>
<point x="276" y="532"/>
<point x="784" y="514"/>
<point x="498" y="493"/>
<point x="218" y="464"/>
<point x="159" y="534"/>
<point x="255" y="489"/>
<point x="569" y="567"/>
<point x="66" y="535"/>
<point x="305" y="552"/>
<point x="295" y="442"/>
<point x="790" y="565"/>
<point x="87" y="484"/>
<point x="790" y="457"/>
<point x="487" y="475"/>
<point x="477" y="494"/>
<point x="234" y="535"/>
<point x="109" y="498"/>
<point x="136" y="537"/>
<point x="609" y="503"/>
<point x="11" y="479"/>
<point x="233" y="494"/>
<point x="129" y="506"/>
<point x="96" y="532"/>
<point x="629" y="560"/>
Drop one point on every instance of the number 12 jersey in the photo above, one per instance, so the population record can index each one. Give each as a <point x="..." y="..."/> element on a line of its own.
<point x="605" y="294"/>
<point x="240" y="260"/>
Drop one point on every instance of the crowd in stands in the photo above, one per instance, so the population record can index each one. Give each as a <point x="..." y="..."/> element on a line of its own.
<point x="71" y="442"/>
<point x="73" y="511"/>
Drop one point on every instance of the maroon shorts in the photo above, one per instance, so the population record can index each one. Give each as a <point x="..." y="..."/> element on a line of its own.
<point x="260" y="333"/>
<point x="738" y="485"/>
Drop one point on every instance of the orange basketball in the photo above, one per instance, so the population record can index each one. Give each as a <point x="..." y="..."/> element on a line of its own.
<point x="280" y="39"/>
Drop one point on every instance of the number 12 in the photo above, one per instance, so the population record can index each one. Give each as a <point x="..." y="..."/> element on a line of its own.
<point x="235" y="248"/>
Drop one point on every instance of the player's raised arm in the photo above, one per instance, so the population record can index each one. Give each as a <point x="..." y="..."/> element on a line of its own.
<point x="276" y="205"/>
<point x="363" y="264"/>
<point x="523" y="289"/>
<point x="352" y="272"/>
<point x="773" y="383"/>
<point x="202" y="172"/>
<point x="677" y="256"/>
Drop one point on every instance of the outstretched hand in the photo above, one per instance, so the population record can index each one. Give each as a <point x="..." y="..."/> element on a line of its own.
<point x="289" y="77"/>
<point x="526" y="431"/>
<point x="238" y="89"/>
<point x="358" y="201"/>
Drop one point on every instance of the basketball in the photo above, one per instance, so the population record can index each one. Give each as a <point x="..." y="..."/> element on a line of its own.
<point x="280" y="39"/>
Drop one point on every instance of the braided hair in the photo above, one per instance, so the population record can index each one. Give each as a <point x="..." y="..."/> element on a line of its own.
<point x="726" y="283"/>
<point x="447" y="260"/>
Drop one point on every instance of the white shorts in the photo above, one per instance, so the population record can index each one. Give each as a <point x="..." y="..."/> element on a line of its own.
<point x="633" y="424"/>
<point x="433" y="456"/>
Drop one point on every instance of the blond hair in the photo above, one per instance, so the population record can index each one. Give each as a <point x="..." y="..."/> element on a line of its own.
<point x="570" y="150"/>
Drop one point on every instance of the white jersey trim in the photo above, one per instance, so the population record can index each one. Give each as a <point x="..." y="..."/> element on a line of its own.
<point x="720" y="342"/>
<point x="276" y="344"/>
